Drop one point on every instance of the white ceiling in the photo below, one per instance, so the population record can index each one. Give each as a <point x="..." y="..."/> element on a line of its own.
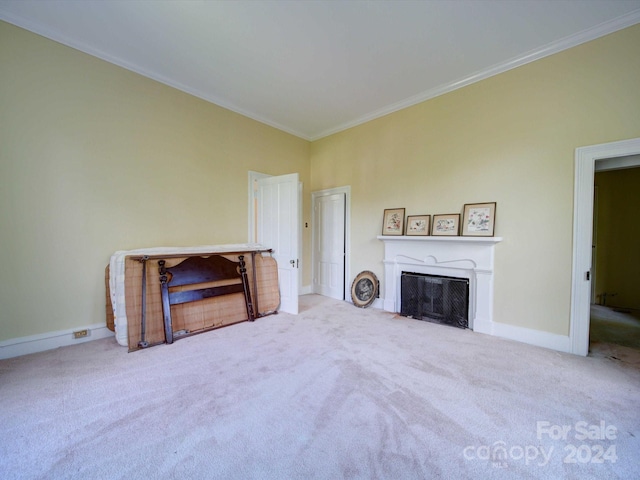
<point x="313" y="68"/>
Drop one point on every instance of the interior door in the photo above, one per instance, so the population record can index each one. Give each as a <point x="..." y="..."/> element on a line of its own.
<point x="329" y="244"/>
<point x="278" y="228"/>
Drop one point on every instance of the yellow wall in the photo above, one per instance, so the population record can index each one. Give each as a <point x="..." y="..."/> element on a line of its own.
<point x="618" y="231"/>
<point x="509" y="139"/>
<point x="94" y="159"/>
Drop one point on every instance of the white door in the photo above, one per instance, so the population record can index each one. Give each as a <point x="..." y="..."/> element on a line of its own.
<point x="278" y="228"/>
<point x="329" y="244"/>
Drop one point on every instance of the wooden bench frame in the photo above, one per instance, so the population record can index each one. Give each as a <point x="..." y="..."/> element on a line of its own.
<point x="197" y="270"/>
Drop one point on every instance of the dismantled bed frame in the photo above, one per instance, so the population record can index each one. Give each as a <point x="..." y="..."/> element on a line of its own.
<point x="140" y="322"/>
<point x="198" y="278"/>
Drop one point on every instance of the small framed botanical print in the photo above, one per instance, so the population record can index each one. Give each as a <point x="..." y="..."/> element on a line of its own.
<point x="446" y="224"/>
<point x="478" y="219"/>
<point x="418" y="224"/>
<point x="393" y="221"/>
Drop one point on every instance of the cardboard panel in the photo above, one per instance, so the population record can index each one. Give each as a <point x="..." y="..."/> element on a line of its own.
<point x="110" y="318"/>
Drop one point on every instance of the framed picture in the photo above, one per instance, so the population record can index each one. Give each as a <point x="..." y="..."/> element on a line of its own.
<point x="446" y="224"/>
<point x="364" y="289"/>
<point x="393" y="221"/>
<point x="418" y="224"/>
<point x="478" y="219"/>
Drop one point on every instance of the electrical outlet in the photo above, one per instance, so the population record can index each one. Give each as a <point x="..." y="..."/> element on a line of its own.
<point x="81" y="334"/>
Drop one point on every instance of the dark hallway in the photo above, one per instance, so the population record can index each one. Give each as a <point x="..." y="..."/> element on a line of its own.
<point x="614" y="332"/>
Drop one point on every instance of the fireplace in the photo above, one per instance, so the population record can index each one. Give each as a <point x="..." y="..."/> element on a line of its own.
<point x="435" y="298"/>
<point x="468" y="258"/>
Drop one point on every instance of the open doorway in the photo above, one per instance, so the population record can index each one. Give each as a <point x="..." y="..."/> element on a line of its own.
<point x="615" y="309"/>
<point x="585" y="163"/>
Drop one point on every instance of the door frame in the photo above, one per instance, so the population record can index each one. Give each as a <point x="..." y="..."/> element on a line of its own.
<point x="594" y="243"/>
<point x="585" y="166"/>
<point x="251" y="204"/>
<point x="347" y="235"/>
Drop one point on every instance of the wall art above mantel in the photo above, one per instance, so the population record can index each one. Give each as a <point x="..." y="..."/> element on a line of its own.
<point x="393" y="221"/>
<point x="478" y="219"/>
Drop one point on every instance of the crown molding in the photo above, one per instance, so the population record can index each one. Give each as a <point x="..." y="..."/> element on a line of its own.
<point x="593" y="33"/>
<point x="574" y="40"/>
<point x="58" y="37"/>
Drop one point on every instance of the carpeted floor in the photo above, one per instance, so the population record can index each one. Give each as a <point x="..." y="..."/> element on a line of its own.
<point x="610" y="327"/>
<point x="335" y="392"/>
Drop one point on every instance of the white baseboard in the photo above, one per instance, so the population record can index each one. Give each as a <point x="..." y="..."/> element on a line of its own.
<point x="561" y="343"/>
<point x="377" y="303"/>
<point x="14" y="347"/>
<point x="553" y="341"/>
<point x="306" y="290"/>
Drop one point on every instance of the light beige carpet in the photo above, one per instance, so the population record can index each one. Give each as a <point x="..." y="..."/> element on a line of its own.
<point x="612" y="326"/>
<point x="335" y="392"/>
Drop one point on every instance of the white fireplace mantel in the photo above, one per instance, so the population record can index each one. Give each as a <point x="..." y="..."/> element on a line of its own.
<point x="462" y="257"/>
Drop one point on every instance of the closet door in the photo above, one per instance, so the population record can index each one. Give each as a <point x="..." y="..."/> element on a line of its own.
<point x="329" y="244"/>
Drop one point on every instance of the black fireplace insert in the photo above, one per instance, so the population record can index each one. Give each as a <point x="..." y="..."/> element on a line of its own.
<point x="435" y="298"/>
